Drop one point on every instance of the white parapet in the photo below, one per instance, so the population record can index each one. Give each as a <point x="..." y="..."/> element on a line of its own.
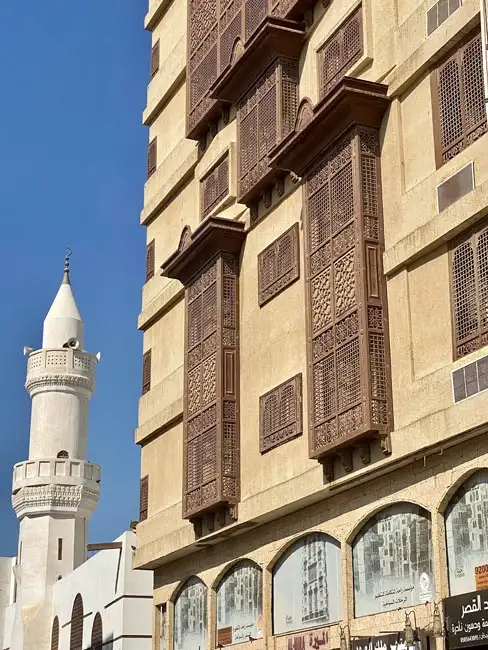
<point x="56" y="368"/>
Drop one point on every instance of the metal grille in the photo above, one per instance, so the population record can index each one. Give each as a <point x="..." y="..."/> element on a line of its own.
<point x="143" y="498"/>
<point x="155" y="59"/>
<point x="55" y="634"/>
<point x="350" y="388"/>
<point x="76" y="631"/>
<point x="146" y="372"/>
<point x="278" y="265"/>
<point x="460" y="97"/>
<point x="151" y="157"/>
<point x="341" y="51"/>
<point x="97" y="633"/>
<point x="469" y="279"/>
<point x="211" y="456"/>
<point x="214" y="186"/>
<point x="264" y="116"/>
<point x="280" y="413"/>
<point x="150" y="259"/>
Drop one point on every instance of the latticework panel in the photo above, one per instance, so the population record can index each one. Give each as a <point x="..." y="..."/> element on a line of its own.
<point x="155" y="58"/>
<point x="264" y="116"/>
<point x="211" y="426"/>
<point x="55" y="634"/>
<point x="280" y="414"/>
<point x="143" y="498"/>
<point x="349" y="378"/>
<point x="76" y="626"/>
<point x="150" y="259"/>
<point x="278" y="265"/>
<point x="461" y="115"/>
<point x="146" y="372"/>
<point x="469" y="281"/>
<point x="97" y="633"/>
<point x="152" y="157"/>
<point x="342" y="50"/>
<point x="214" y="187"/>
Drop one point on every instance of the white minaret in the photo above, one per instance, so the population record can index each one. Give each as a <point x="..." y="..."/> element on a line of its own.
<point x="57" y="489"/>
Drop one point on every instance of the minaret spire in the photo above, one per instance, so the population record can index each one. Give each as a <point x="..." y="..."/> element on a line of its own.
<point x="66" y="279"/>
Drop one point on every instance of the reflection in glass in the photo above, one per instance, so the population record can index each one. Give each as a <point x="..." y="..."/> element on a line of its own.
<point x="307" y="584"/>
<point x="190" y="631"/>
<point x="240" y="604"/>
<point x="392" y="560"/>
<point x="467" y="533"/>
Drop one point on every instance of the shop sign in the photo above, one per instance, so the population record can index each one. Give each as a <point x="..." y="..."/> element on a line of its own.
<point x="481" y="576"/>
<point x="394" y="641"/>
<point x="466" y="619"/>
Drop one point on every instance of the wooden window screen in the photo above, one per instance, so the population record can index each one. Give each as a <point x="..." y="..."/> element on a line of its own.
<point x="469" y="283"/>
<point x="76" y="631"/>
<point x="279" y="265"/>
<point x="349" y="381"/>
<point x="459" y="105"/>
<point x="265" y="115"/>
<point x="155" y="59"/>
<point x="280" y="414"/>
<point x="55" y="634"/>
<point x="146" y="372"/>
<point x="340" y="52"/>
<point x="211" y="469"/>
<point x="143" y="498"/>
<point x="151" y="157"/>
<point x="97" y="633"/>
<point x="214" y="187"/>
<point x="150" y="259"/>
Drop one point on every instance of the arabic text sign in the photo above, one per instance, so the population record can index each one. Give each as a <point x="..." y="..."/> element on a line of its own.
<point x="466" y="618"/>
<point x="383" y="642"/>
<point x="481" y="576"/>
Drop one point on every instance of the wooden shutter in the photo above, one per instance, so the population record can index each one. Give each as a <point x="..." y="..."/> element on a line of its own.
<point x="469" y="282"/>
<point x="143" y="498"/>
<point x="97" y="633"/>
<point x="55" y="634"/>
<point x="278" y="265"/>
<point x="155" y="59"/>
<point x="214" y="186"/>
<point x="342" y="50"/>
<point x="459" y="107"/>
<point x="348" y="339"/>
<point x="151" y="157"/>
<point x="146" y="372"/>
<point x="150" y="259"/>
<point x="280" y="414"/>
<point x="76" y="631"/>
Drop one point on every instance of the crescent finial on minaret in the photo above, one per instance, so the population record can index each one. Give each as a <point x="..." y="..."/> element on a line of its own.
<point x="66" y="265"/>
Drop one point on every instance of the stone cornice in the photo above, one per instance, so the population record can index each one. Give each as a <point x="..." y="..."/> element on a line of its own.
<point x="58" y="381"/>
<point x="44" y="499"/>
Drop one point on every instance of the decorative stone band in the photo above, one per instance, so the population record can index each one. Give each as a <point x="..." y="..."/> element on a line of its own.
<point x="55" y="499"/>
<point x="60" y="471"/>
<point x="41" y="383"/>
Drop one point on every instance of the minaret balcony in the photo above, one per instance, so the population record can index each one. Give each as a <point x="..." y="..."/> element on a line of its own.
<point x="57" y="471"/>
<point x="60" y="366"/>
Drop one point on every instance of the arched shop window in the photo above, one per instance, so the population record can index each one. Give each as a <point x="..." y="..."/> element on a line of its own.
<point x="307" y="584"/>
<point x="393" y="560"/>
<point x="240" y="604"/>
<point x="467" y="534"/>
<point x="190" y="616"/>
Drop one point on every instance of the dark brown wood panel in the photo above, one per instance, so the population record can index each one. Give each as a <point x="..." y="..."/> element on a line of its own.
<point x="279" y="265"/>
<point x="146" y="372"/>
<point x="152" y="157"/>
<point x="469" y="290"/>
<point x="97" y="633"/>
<point x="458" y="94"/>
<point x="143" y="498"/>
<point x="76" y="627"/>
<point x="55" y="634"/>
<point x="349" y="378"/>
<point x="155" y="59"/>
<point x="150" y="259"/>
<point x="280" y="414"/>
<point x="214" y="187"/>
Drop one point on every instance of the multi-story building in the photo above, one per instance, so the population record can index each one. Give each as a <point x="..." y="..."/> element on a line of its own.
<point x="313" y="418"/>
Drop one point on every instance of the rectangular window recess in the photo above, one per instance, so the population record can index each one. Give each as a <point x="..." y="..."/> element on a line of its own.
<point x="60" y="548"/>
<point x="470" y="380"/>
<point x="439" y="13"/>
<point x="455" y="187"/>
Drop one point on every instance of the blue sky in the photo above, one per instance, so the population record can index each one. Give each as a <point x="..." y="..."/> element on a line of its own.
<point x="72" y="169"/>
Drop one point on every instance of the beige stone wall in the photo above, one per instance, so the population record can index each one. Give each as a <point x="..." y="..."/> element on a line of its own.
<point x="284" y="487"/>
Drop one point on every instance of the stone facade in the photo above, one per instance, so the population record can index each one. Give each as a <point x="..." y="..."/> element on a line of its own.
<point x="383" y="431"/>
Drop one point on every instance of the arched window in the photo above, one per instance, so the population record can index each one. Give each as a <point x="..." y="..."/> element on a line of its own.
<point x="97" y="633"/>
<point x="393" y="560"/>
<point x="55" y="634"/>
<point x="240" y="604"/>
<point x="76" y="632"/>
<point x="63" y="454"/>
<point x="307" y="584"/>
<point x="190" y="617"/>
<point x="466" y="533"/>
